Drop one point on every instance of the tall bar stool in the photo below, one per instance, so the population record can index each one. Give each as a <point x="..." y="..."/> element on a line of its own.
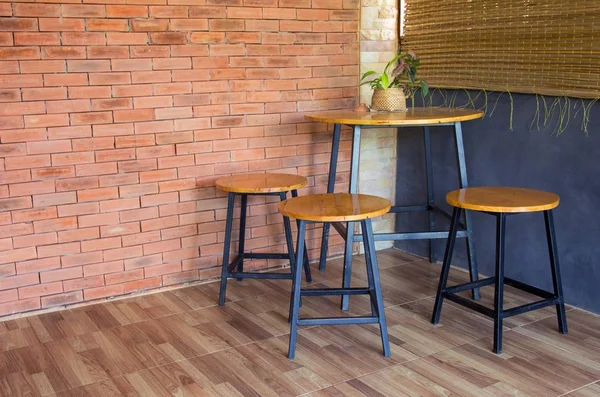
<point x="341" y="207"/>
<point x="270" y="184"/>
<point x="500" y="202"/>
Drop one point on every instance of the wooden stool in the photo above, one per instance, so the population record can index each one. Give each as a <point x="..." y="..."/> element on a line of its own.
<point x="262" y="185"/>
<point x="502" y="201"/>
<point x="341" y="207"/>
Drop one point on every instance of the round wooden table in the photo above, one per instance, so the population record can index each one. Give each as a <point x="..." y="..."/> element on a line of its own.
<point x="419" y="116"/>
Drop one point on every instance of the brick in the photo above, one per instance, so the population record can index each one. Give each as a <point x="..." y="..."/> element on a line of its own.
<point x="20" y="81"/>
<point x="120" y="205"/>
<point x="115" y="155"/>
<point x="191" y="24"/>
<point x="207" y="37"/>
<point x="134" y="140"/>
<point x="18" y="24"/>
<point x="47" y="66"/>
<point x="71" y="79"/>
<point x="63" y="52"/>
<point x="107" y="25"/>
<point x="55" y="224"/>
<point x="71" y="132"/>
<point x="22" y="162"/>
<point x="44" y="147"/>
<point x="7" y="177"/>
<point x="30" y="38"/>
<point x="171" y="63"/>
<point x="153" y="102"/>
<point x="130" y="275"/>
<point x="20" y="306"/>
<point x="139" y="285"/>
<point x="150" y="25"/>
<point x="10" y="95"/>
<point x="77" y="183"/>
<point x="112" y="129"/>
<point x="133" y="115"/>
<point x="120" y="230"/>
<point x="18" y="229"/>
<point x="30" y="188"/>
<point x="128" y="11"/>
<point x="141" y="238"/>
<point x="79" y="10"/>
<point x="168" y="38"/>
<point x="153" y="271"/>
<point x="15" y="203"/>
<point x="8" y="270"/>
<point x="98" y="220"/>
<point x="107" y="52"/>
<point x="101" y="244"/>
<point x="96" y="169"/>
<point x="78" y="234"/>
<point x="80" y="283"/>
<point x="103" y="268"/>
<point x="16" y="255"/>
<point x="42" y="94"/>
<point x="103" y="292"/>
<point x="61" y="24"/>
<point x="78" y="209"/>
<point x="59" y="249"/>
<point x="35" y="240"/>
<point x="63" y="299"/>
<point x="38" y="265"/>
<point x="169" y="11"/>
<point x="83" y="38"/>
<point x="39" y="290"/>
<point x="138" y="214"/>
<point x="88" y="65"/>
<point x="93" y="143"/>
<point x="126" y="38"/>
<point x="72" y="158"/>
<point x="123" y="253"/>
<point x="137" y="165"/>
<point x="112" y="104"/>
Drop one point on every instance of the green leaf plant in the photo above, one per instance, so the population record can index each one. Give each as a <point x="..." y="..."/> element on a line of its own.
<point x="403" y="75"/>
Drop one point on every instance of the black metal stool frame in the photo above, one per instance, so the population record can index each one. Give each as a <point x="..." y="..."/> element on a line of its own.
<point x="498" y="313"/>
<point x="373" y="290"/>
<point x="228" y="270"/>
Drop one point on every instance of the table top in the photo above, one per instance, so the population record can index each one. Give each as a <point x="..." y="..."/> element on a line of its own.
<point x="261" y="183"/>
<point x="412" y="117"/>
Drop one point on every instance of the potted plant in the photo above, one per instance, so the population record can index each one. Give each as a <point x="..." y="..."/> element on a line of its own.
<point x="390" y="90"/>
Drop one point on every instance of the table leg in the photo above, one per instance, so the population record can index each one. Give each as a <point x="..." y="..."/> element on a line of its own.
<point x="462" y="167"/>
<point x="430" y="193"/>
<point x="350" y="225"/>
<point x="330" y="188"/>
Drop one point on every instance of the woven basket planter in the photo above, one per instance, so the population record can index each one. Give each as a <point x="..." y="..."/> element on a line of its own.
<point x="390" y="100"/>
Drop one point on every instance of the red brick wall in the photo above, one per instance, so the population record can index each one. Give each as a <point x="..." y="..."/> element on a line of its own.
<point x="115" y="121"/>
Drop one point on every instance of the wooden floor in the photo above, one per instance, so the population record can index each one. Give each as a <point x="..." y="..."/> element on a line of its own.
<point x="179" y="343"/>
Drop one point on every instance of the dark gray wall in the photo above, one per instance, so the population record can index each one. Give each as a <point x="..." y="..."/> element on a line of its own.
<point x="567" y="164"/>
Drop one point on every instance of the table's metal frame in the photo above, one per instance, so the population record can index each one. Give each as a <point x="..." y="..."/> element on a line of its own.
<point x="430" y="207"/>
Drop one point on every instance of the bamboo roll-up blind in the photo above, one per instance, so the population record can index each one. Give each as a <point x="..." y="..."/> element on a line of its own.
<point x="549" y="47"/>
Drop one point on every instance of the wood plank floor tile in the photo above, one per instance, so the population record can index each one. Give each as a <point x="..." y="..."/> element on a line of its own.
<point x="587" y="391"/>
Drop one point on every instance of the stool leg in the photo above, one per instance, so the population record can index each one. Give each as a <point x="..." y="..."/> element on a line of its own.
<point x="306" y="261"/>
<point x="347" y="271"/>
<point x="556" y="279"/>
<point x="290" y="248"/>
<point x="370" y="278"/>
<point x="226" y="248"/>
<point x="242" y="233"/>
<point x="439" y="297"/>
<point x="296" y="292"/>
<point x="372" y="263"/>
<point x="430" y="198"/>
<point x="499" y="287"/>
<point x="462" y="167"/>
<point x="335" y="147"/>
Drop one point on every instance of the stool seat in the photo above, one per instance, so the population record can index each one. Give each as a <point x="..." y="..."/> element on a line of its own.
<point x="261" y="183"/>
<point x="335" y="207"/>
<point x="501" y="199"/>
